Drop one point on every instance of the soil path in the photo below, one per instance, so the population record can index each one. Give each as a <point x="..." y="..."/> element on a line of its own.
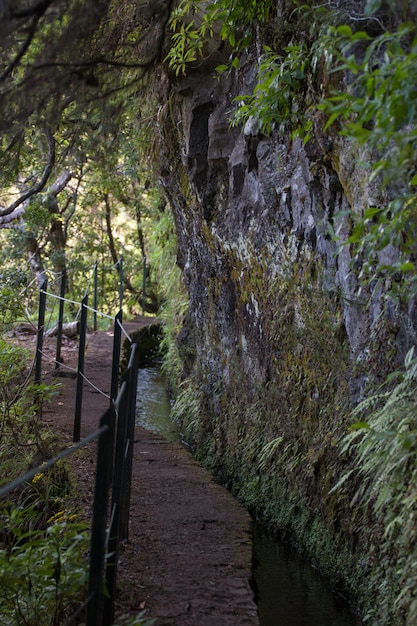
<point x="188" y="558"/>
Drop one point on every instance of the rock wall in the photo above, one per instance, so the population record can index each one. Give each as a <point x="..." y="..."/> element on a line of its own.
<point x="280" y="339"/>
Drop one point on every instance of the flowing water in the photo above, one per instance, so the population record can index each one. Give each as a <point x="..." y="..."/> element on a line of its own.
<point x="153" y="408"/>
<point x="289" y="592"/>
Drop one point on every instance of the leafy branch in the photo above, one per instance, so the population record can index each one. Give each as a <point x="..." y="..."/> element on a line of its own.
<point x="194" y="23"/>
<point x="379" y="111"/>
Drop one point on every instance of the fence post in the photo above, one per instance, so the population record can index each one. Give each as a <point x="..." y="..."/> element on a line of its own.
<point x="41" y="329"/>
<point x="121" y="283"/>
<point x="117" y="497"/>
<point x="95" y="303"/>
<point x="131" y="414"/>
<point x="104" y="474"/>
<point x="144" y="285"/>
<point x="58" y="360"/>
<point x="80" y="371"/>
<point x="117" y="342"/>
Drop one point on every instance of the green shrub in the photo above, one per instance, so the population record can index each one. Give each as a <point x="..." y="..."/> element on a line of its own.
<point x="43" y="575"/>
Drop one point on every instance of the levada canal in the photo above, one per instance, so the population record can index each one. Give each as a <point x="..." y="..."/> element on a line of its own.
<point x="288" y="590"/>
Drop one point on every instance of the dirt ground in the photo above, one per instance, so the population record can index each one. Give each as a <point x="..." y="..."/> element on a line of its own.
<point x="187" y="561"/>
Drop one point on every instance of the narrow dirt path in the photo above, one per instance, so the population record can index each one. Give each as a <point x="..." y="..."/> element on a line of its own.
<point x="188" y="558"/>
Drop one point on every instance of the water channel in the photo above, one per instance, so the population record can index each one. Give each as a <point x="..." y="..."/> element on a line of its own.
<point x="289" y="592"/>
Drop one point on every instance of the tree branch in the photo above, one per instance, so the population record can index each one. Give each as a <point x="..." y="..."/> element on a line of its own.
<point x="23" y="49"/>
<point x="19" y="212"/>
<point x="38" y="9"/>
<point x="43" y="180"/>
<point x="59" y="184"/>
<point x="112" y="245"/>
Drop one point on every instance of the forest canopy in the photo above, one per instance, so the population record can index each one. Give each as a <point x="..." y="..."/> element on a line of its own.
<point x="75" y="144"/>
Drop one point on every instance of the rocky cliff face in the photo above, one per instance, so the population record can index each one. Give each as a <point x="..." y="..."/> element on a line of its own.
<point x="279" y="339"/>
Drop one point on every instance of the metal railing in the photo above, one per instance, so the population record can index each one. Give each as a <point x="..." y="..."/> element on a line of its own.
<point x="115" y="435"/>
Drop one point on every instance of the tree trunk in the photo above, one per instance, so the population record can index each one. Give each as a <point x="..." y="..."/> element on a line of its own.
<point x="112" y="246"/>
<point x="70" y="330"/>
<point x="35" y="258"/>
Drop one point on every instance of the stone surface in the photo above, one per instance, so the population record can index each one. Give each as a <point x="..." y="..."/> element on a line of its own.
<point x="280" y="339"/>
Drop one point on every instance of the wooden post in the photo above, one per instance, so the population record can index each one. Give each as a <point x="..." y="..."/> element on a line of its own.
<point x="121" y="283"/>
<point x="131" y="414"/>
<point x="117" y="342"/>
<point x="117" y="499"/>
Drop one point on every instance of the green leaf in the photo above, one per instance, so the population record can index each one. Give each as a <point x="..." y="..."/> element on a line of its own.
<point x="371" y="212"/>
<point x="360" y="426"/>
<point x="360" y="35"/>
<point x="407" y="267"/>
<point x="409" y="357"/>
<point x="372" y="6"/>
<point x="345" y="30"/>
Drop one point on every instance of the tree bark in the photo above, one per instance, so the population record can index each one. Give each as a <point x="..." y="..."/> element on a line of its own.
<point x="112" y="246"/>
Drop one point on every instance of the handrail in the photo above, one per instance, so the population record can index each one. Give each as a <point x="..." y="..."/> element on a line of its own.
<point x="40" y="469"/>
<point x="115" y="437"/>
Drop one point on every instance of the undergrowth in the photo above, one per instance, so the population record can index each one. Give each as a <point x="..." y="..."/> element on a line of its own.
<point x="383" y="444"/>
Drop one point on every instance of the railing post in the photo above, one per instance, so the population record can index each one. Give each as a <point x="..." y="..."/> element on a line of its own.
<point x="117" y="342"/>
<point x="80" y="371"/>
<point x="58" y="360"/>
<point x="95" y="304"/>
<point x="144" y="285"/>
<point x="131" y="414"/>
<point x="117" y="497"/>
<point x="121" y="283"/>
<point x="41" y="330"/>
<point x="98" y="549"/>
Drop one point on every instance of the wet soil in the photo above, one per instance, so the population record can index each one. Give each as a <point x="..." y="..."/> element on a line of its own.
<point x="187" y="561"/>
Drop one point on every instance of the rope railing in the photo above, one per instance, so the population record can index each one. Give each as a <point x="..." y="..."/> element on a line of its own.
<point x="89" y="277"/>
<point x="92" y="287"/>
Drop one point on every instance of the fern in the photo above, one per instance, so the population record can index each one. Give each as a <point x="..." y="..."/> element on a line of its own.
<point x="383" y="445"/>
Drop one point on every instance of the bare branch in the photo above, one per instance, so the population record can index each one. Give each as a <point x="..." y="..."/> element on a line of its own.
<point x="43" y="180"/>
<point x="59" y="184"/>
<point x="11" y="217"/>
